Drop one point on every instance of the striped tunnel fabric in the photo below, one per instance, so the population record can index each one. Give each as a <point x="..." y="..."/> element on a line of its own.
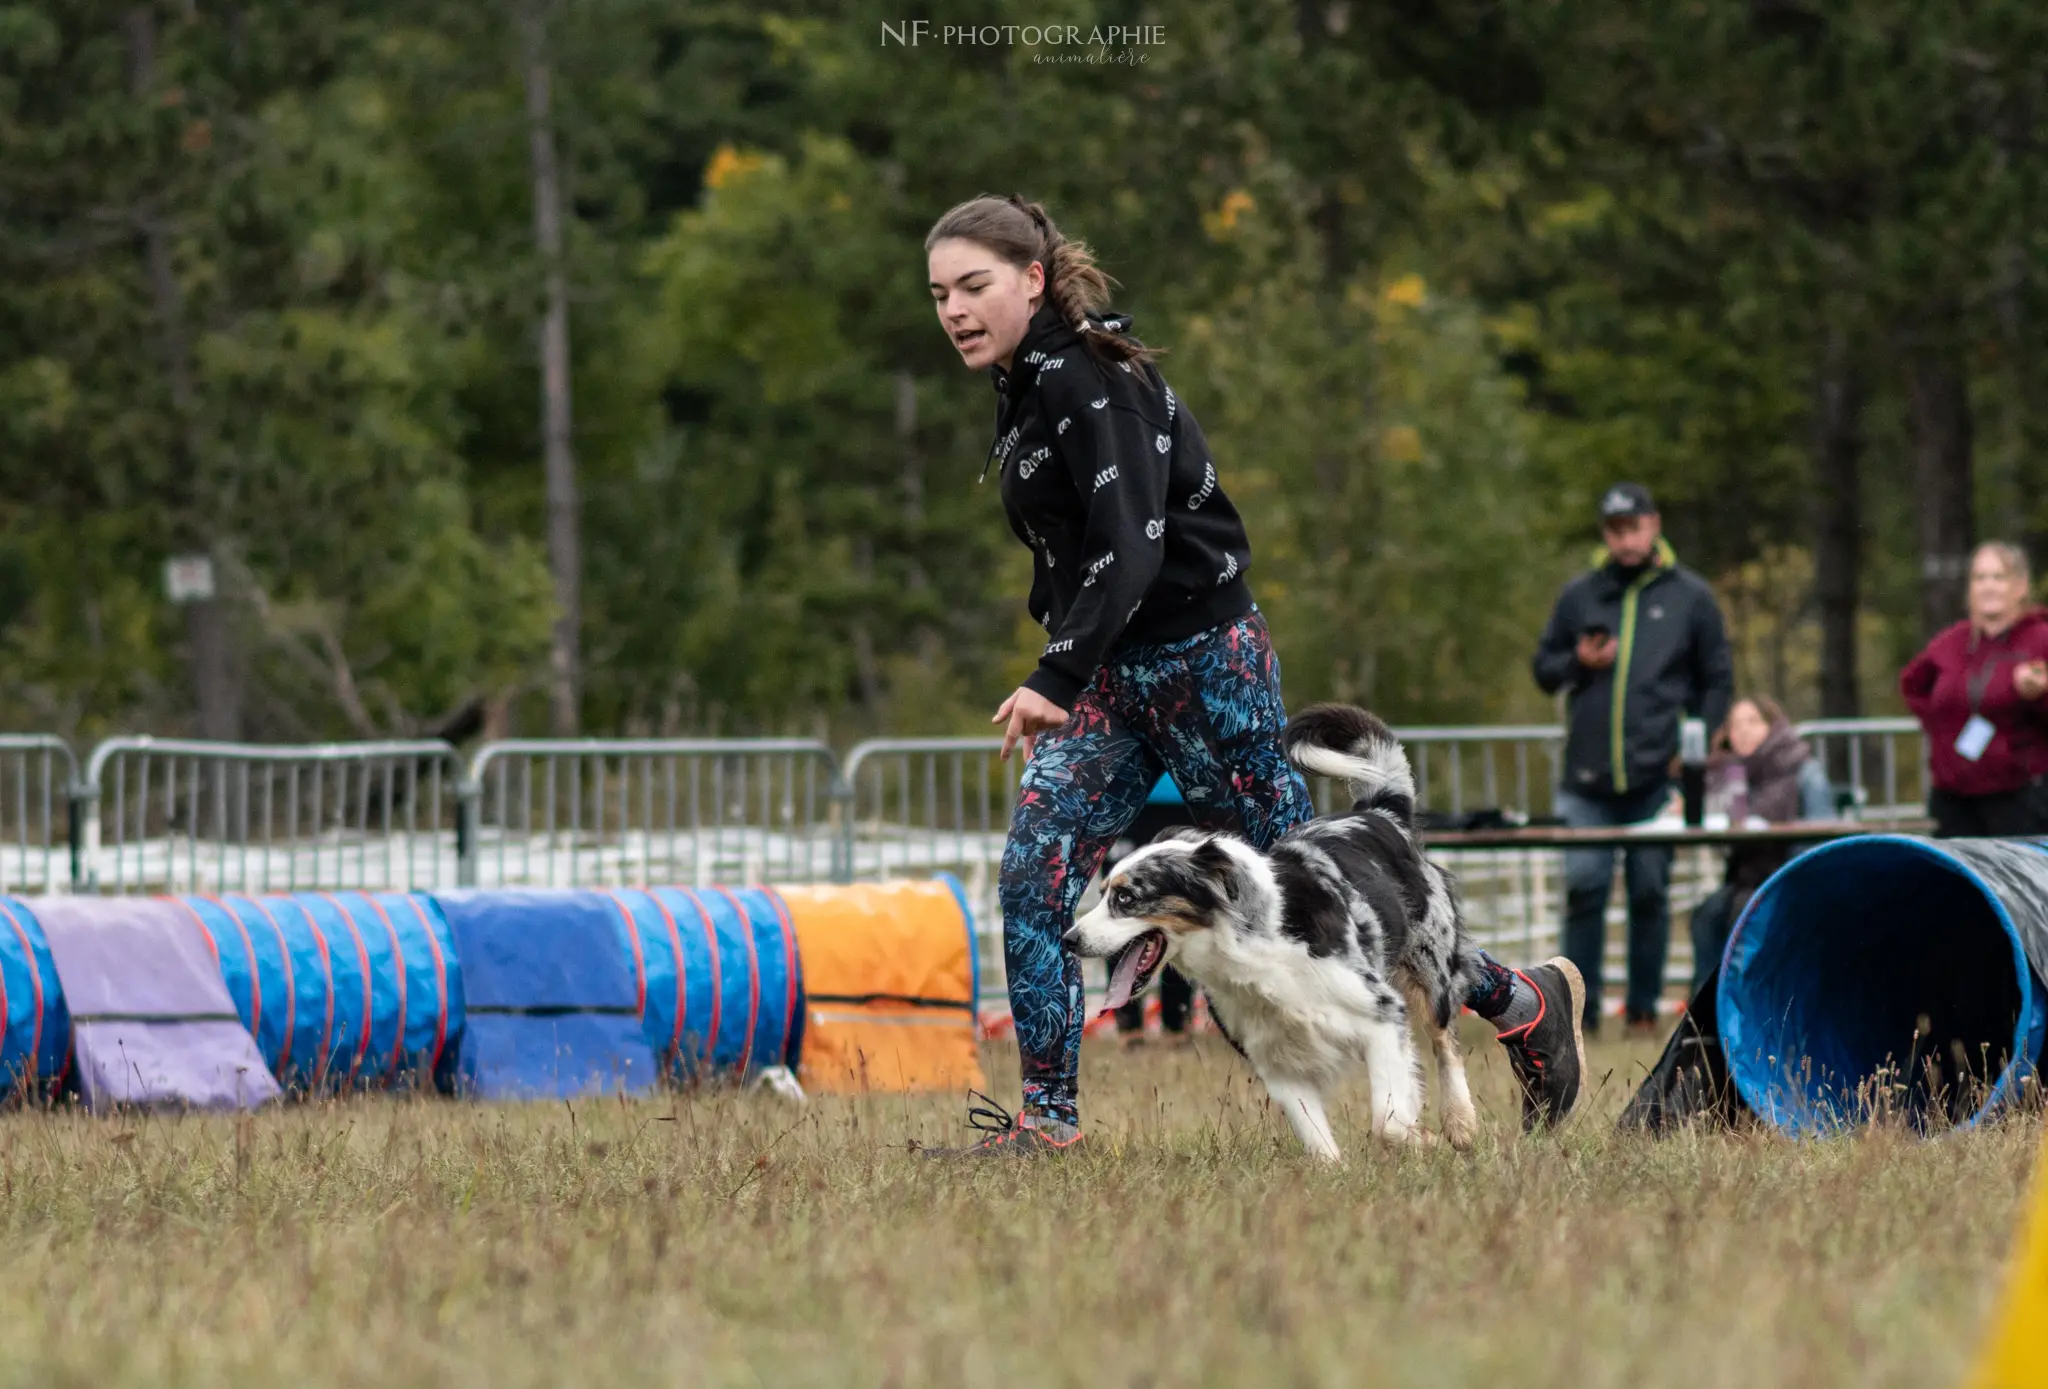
<point x="493" y="993"/>
<point x="341" y="989"/>
<point x="723" y="984"/>
<point x="35" y="1023"/>
<point x="576" y="991"/>
<point x="553" y="1002"/>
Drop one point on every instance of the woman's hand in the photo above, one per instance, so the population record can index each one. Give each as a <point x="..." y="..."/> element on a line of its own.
<point x="1030" y="714"/>
<point x="2030" y="679"/>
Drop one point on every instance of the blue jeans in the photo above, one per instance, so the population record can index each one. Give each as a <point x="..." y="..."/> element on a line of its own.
<point x="1589" y="874"/>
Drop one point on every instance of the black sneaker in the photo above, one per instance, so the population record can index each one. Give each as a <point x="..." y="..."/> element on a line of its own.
<point x="1549" y="1053"/>
<point x="1009" y="1136"/>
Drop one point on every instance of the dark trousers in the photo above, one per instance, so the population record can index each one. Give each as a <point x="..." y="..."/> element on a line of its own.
<point x="2002" y="814"/>
<point x="1176" y="994"/>
<point x="1588" y="877"/>
<point x="1713" y="921"/>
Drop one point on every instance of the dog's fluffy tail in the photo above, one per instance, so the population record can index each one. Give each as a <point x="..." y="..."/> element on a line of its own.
<point x="1346" y="742"/>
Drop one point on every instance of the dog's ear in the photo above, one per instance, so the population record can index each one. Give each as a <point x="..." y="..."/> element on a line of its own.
<point x="1219" y="866"/>
<point x="1172" y="832"/>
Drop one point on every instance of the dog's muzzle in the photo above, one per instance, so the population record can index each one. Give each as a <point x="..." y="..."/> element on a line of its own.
<point x="1132" y="968"/>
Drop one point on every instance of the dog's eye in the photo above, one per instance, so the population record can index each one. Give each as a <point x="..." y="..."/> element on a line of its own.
<point x="1120" y="899"/>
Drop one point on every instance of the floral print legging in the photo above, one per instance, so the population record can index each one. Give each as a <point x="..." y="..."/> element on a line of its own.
<point x="1207" y="711"/>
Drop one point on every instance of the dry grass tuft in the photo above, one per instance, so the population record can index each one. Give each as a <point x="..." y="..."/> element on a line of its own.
<point x="735" y="1240"/>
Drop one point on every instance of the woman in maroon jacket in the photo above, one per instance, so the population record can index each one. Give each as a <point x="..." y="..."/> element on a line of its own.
<point x="1977" y="691"/>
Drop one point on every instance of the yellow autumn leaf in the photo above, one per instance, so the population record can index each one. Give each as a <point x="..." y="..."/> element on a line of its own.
<point x="728" y="164"/>
<point x="1235" y="204"/>
<point x="1408" y="291"/>
<point x="1401" y="443"/>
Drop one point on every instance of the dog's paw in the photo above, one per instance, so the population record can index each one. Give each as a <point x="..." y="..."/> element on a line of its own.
<point x="1407" y="1136"/>
<point x="1461" y="1131"/>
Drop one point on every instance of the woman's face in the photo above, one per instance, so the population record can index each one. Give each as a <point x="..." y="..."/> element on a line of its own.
<point x="984" y="302"/>
<point x="1747" y="728"/>
<point x="1994" y="589"/>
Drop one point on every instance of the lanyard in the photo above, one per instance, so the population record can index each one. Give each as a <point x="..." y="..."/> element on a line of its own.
<point x="1980" y="681"/>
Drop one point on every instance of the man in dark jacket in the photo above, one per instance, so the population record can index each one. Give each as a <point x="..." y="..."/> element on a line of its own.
<point x="1637" y="644"/>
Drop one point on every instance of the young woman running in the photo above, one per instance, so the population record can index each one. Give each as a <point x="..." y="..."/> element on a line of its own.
<point x="1156" y="658"/>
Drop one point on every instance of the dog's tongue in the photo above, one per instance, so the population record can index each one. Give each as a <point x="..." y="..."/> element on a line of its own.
<point x="1123" y="972"/>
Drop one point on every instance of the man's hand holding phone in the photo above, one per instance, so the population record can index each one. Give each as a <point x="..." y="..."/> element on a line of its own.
<point x="1597" y="648"/>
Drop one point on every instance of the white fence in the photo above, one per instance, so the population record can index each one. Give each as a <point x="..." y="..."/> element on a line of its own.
<point x="170" y="815"/>
<point x="589" y="812"/>
<point x="163" y="815"/>
<point x="38" y="775"/>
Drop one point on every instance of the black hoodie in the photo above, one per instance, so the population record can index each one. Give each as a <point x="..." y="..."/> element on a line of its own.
<point x="1106" y="477"/>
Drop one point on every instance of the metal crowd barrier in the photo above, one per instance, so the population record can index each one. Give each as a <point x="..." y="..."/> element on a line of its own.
<point x="1512" y="766"/>
<point x="37" y="840"/>
<point x="1856" y="750"/>
<point x="925" y="804"/>
<point x="922" y="805"/>
<point x="168" y="815"/>
<point x="595" y="812"/>
<point x="918" y="806"/>
<point x="161" y="815"/>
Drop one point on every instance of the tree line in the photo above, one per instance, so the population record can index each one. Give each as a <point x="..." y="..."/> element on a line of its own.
<point x="552" y="365"/>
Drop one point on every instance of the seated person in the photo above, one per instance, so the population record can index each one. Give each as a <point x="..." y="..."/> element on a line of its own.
<point x="1761" y="771"/>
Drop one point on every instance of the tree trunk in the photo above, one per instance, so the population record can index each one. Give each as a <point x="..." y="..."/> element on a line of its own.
<point x="1838" y="547"/>
<point x="210" y="643"/>
<point x="209" y="634"/>
<point x="906" y="440"/>
<point x="928" y="641"/>
<point x="2009" y="508"/>
<point x="563" y="509"/>
<point x="867" y="667"/>
<point x="1943" y="483"/>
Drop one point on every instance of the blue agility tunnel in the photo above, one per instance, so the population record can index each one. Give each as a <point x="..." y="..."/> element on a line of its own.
<point x="721" y="977"/>
<point x="553" y="1001"/>
<point x="495" y="993"/>
<point x="1888" y="974"/>
<point x="341" y="990"/>
<point x="573" y="992"/>
<point x="35" y="1026"/>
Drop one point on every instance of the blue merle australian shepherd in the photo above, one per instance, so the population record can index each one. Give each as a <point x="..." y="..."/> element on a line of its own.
<point x="1314" y="952"/>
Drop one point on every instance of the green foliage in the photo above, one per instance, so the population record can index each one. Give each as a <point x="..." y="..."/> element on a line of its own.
<point x="268" y="288"/>
<point x="810" y="557"/>
<point x="1382" y="461"/>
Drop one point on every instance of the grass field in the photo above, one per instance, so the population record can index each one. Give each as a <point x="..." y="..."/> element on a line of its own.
<point x="740" y="1240"/>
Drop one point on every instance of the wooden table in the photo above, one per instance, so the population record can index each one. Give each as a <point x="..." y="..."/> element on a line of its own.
<point x="1622" y="836"/>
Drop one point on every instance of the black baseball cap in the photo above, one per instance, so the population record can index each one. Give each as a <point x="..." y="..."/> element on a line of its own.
<point x="1627" y="499"/>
